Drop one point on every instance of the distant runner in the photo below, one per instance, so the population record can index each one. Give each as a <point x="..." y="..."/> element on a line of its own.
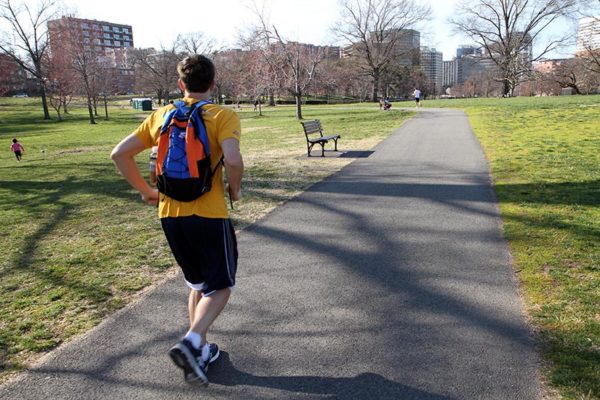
<point x="17" y="148"/>
<point x="417" y="95"/>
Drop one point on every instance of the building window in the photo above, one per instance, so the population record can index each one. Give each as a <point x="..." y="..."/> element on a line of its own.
<point x="126" y="30"/>
<point x="127" y="44"/>
<point x="116" y="29"/>
<point x="117" y="36"/>
<point x="107" y="42"/>
<point x="106" y="36"/>
<point x="105" y="28"/>
<point x="84" y="25"/>
<point x="86" y="33"/>
<point x="117" y="43"/>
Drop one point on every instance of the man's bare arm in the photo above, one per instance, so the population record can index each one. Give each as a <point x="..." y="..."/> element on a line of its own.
<point x="234" y="167"/>
<point x="123" y="156"/>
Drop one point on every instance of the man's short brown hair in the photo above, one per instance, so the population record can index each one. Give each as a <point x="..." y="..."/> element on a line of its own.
<point x="197" y="73"/>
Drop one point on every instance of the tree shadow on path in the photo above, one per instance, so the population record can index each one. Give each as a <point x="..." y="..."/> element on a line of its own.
<point x="363" y="386"/>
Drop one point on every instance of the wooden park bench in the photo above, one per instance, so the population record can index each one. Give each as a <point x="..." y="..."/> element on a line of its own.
<point x="313" y="128"/>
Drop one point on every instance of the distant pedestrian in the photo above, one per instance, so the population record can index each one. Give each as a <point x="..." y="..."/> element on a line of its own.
<point x="17" y="148"/>
<point x="386" y="104"/>
<point x="417" y="95"/>
<point x="256" y="104"/>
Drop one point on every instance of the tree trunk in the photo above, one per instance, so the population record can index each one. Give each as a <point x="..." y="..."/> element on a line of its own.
<point x="375" y="85"/>
<point x="298" y="97"/>
<point x="90" y="110"/>
<point x="45" y="103"/>
<point x="105" y="108"/>
<point x="272" y="98"/>
<point x="506" y="88"/>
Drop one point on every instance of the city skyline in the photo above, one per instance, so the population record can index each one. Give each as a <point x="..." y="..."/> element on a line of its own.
<point x="289" y="16"/>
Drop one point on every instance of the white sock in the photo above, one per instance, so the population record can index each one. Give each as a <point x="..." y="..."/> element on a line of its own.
<point x="194" y="338"/>
<point x="205" y="352"/>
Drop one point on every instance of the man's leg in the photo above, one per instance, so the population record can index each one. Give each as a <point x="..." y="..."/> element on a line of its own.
<point x="187" y="354"/>
<point x="207" y="310"/>
<point x="194" y="298"/>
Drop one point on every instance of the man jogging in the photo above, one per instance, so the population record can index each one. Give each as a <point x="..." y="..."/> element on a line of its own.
<point x="199" y="232"/>
<point x="417" y="96"/>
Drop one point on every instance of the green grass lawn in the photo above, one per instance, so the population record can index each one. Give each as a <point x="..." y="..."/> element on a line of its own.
<point x="78" y="243"/>
<point x="545" y="159"/>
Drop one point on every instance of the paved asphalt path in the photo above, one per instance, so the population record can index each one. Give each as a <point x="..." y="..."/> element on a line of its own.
<point x="390" y="280"/>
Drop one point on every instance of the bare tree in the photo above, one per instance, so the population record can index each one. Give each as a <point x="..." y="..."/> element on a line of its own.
<point x="195" y="43"/>
<point x="61" y="82"/>
<point x="292" y="66"/>
<point x="27" y="42"/>
<point x="263" y="77"/>
<point x="257" y="81"/>
<point x="157" y="70"/>
<point x="506" y="30"/>
<point x="295" y="63"/>
<point x="374" y="29"/>
<point x="82" y="54"/>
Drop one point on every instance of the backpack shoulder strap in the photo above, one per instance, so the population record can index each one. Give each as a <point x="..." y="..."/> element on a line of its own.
<point x="179" y="108"/>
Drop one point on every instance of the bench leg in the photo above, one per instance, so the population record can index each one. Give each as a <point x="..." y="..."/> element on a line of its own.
<point x="322" y="149"/>
<point x="335" y="141"/>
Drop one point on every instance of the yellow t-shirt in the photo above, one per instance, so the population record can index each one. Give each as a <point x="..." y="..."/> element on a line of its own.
<point x="221" y="123"/>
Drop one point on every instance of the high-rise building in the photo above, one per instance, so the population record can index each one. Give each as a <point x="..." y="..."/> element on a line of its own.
<point x="101" y="34"/>
<point x="110" y="42"/>
<point x="467" y="50"/>
<point x="588" y="34"/>
<point x="450" y="73"/>
<point x="466" y="62"/>
<point x="405" y="50"/>
<point x="526" y="50"/>
<point x="407" y="46"/>
<point x="432" y="66"/>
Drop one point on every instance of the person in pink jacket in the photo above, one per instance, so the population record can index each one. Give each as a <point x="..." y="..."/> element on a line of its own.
<point x="17" y="148"/>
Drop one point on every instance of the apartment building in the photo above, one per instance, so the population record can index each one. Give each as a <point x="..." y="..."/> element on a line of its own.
<point x="449" y="73"/>
<point x="101" y="34"/>
<point x="111" y="42"/>
<point x="406" y="49"/>
<point x="588" y="34"/>
<point x="433" y="67"/>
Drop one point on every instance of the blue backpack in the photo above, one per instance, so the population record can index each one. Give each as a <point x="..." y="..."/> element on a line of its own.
<point x="183" y="167"/>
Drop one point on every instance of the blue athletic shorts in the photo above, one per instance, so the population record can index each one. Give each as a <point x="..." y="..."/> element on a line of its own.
<point x="205" y="249"/>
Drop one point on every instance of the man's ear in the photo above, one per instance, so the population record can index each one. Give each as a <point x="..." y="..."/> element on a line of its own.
<point x="181" y="85"/>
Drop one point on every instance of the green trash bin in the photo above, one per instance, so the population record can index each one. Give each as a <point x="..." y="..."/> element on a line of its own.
<point x="146" y="105"/>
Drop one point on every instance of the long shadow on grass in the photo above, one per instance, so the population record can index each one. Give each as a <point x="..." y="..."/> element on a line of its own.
<point x="49" y="202"/>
